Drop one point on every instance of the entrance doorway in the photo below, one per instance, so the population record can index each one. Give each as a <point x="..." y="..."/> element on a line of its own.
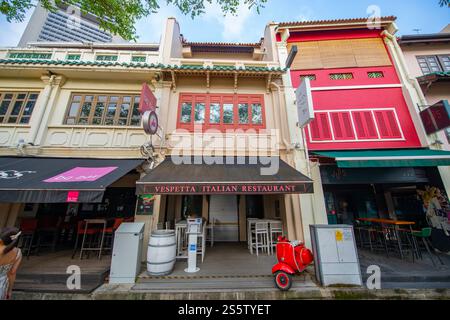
<point x="223" y="210"/>
<point x="254" y="206"/>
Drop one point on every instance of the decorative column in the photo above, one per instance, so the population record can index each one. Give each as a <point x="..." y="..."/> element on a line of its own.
<point x="40" y="119"/>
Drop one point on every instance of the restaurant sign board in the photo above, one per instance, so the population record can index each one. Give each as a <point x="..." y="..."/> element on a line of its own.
<point x="436" y="117"/>
<point x="245" y="188"/>
<point x="304" y="102"/>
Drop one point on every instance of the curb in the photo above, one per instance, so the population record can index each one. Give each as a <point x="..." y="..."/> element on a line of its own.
<point x="316" y="294"/>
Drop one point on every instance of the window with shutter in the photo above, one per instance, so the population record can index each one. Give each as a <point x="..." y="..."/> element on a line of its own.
<point x="387" y="124"/>
<point x="320" y="127"/>
<point x="342" y="126"/>
<point x="365" y="125"/>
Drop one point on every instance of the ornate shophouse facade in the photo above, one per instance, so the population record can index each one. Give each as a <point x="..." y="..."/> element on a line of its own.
<point x="366" y="146"/>
<point x="73" y="146"/>
<point x="228" y="148"/>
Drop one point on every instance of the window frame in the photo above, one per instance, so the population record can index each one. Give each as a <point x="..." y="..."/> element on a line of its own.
<point x="14" y="99"/>
<point x="438" y="59"/>
<point x="95" y="100"/>
<point x="221" y="99"/>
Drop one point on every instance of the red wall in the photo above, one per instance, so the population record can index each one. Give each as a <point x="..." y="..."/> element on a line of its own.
<point x="366" y="99"/>
<point x="356" y="98"/>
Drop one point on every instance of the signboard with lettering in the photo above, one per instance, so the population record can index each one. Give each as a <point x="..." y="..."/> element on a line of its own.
<point x="72" y="196"/>
<point x="436" y="117"/>
<point x="148" y="100"/>
<point x="229" y="188"/>
<point x="304" y="103"/>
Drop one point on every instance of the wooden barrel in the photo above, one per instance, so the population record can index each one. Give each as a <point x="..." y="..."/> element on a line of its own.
<point x="161" y="252"/>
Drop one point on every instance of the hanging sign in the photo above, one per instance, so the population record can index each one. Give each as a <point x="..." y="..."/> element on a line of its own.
<point x="150" y="122"/>
<point x="72" y="196"/>
<point x="436" y="117"/>
<point x="148" y="99"/>
<point x="305" y="110"/>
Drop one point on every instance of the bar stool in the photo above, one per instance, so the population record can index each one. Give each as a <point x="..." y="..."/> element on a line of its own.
<point x="250" y="227"/>
<point x="262" y="240"/>
<point x="109" y="233"/>
<point x="210" y="232"/>
<point x="276" y="229"/>
<point x="180" y="236"/>
<point x="28" y="228"/>
<point x="81" y="231"/>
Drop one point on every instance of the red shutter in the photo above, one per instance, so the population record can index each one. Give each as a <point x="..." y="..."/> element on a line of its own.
<point x="342" y="126"/>
<point x="387" y="124"/>
<point x="320" y="127"/>
<point x="365" y="125"/>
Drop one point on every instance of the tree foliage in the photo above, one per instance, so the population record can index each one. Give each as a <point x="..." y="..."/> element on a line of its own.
<point x="119" y="16"/>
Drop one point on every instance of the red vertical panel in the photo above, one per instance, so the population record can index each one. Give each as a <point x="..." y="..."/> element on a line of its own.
<point x="342" y="126"/>
<point x="365" y="125"/>
<point x="325" y="127"/>
<point x="320" y="127"/>
<point x="387" y="124"/>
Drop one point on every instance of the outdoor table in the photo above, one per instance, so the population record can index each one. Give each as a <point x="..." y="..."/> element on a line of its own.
<point x="87" y="222"/>
<point x="396" y="224"/>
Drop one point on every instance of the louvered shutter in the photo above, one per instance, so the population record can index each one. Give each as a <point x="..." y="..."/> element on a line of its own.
<point x="387" y="124"/>
<point x="342" y="126"/>
<point x="364" y="125"/>
<point x="320" y="127"/>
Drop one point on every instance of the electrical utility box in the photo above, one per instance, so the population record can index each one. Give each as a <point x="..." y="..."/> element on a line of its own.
<point x="335" y="255"/>
<point x="127" y="251"/>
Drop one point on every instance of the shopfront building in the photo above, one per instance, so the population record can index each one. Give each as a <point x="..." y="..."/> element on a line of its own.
<point x="366" y="138"/>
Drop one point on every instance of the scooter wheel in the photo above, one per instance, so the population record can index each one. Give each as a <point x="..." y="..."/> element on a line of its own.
<point x="283" y="280"/>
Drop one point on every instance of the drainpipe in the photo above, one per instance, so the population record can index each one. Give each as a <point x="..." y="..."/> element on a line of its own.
<point x="34" y="130"/>
<point x="401" y="59"/>
<point x="283" y="135"/>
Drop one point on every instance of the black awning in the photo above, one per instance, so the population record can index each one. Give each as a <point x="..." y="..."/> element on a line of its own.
<point x="232" y="177"/>
<point x="53" y="180"/>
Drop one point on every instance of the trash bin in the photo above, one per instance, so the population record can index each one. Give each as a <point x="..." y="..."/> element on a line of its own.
<point x="127" y="252"/>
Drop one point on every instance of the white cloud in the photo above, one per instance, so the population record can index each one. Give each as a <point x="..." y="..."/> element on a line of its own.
<point x="232" y="25"/>
<point x="305" y="13"/>
<point x="150" y="28"/>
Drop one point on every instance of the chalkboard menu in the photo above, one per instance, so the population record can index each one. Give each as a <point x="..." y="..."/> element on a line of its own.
<point x="145" y="204"/>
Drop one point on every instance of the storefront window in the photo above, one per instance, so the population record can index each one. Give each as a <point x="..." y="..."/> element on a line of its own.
<point x="93" y="109"/>
<point x="17" y="107"/>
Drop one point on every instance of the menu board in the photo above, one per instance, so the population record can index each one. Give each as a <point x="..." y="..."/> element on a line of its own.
<point x="145" y="204"/>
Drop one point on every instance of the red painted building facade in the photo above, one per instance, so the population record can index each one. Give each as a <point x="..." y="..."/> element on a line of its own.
<point x="357" y="105"/>
<point x="363" y="101"/>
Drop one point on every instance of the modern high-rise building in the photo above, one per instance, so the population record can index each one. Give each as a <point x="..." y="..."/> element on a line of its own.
<point x="67" y="24"/>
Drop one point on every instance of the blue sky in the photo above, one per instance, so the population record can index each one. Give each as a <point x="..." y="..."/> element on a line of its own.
<point x="248" y="26"/>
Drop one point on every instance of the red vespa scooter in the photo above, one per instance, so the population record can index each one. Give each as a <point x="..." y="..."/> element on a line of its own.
<point x="293" y="257"/>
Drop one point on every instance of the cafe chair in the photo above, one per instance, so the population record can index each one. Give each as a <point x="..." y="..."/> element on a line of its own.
<point x="276" y="229"/>
<point x="425" y="235"/>
<point x="261" y="237"/>
<point x="28" y="228"/>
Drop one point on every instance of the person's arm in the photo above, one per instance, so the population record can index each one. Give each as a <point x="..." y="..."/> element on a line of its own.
<point x="12" y="274"/>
